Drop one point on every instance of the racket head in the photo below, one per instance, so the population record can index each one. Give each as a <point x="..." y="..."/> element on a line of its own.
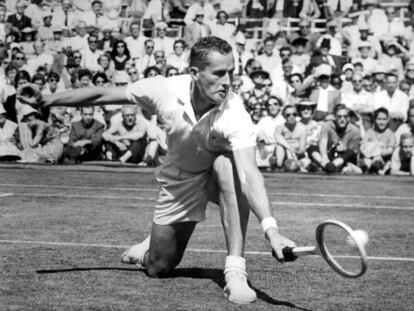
<point x="341" y="249"/>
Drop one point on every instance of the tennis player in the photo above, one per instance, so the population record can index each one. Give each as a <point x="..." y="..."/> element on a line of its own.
<point x="211" y="157"/>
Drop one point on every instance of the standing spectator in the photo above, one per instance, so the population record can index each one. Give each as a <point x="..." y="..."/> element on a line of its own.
<point x="359" y="101"/>
<point x="223" y="29"/>
<point x="325" y="95"/>
<point x="161" y="41"/>
<point x="402" y="161"/>
<point x="157" y="10"/>
<point x="392" y="58"/>
<point x="91" y="54"/>
<point x="290" y="140"/>
<point x="85" y="140"/>
<point x="19" y="20"/>
<point x="120" y="55"/>
<point x="394" y="100"/>
<point x="45" y="32"/>
<point x="135" y="41"/>
<point x="148" y="59"/>
<point x="35" y="12"/>
<point x="378" y="144"/>
<point x="126" y="140"/>
<point x="340" y="141"/>
<point x="197" y="29"/>
<point x="256" y="98"/>
<point x="300" y="59"/>
<point x="179" y="58"/>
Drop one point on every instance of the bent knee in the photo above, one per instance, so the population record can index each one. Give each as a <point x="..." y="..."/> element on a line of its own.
<point x="159" y="268"/>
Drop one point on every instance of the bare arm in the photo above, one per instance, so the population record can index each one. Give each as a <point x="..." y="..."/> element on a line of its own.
<point x="253" y="188"/>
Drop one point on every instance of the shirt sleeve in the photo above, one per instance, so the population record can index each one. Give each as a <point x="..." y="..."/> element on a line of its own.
<point x="149" y="94"/>
<point x="240" y="131"/>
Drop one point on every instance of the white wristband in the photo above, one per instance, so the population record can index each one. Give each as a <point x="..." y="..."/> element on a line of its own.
<point x="267" y="223"/>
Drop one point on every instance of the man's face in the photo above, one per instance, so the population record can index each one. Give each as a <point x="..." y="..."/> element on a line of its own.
<point x="129" y="118"/>
<point x="222" y="18"/>
<point x="273" y="107"/>
<point x="357" y="83"/>
<point x="304" y="28"/>
<point x="342" y="118"/>
<point x="290" y="115"/>
<point x="409" y="71"/>
<point x="57" y="36"/>
<point x="390" y="12"/>
<point x="19" y="59"/>
<point x="2" y="15"/>
<point x="364" y="52"/>
<point x="20" y="8"/>
<point x="82" y="30"/>
<point x="405" y="87"/>
<point x="325" y="51"/>
<point x="66" y="5"/>
<point x="78" y="58"/>
<point x="268" y="47"/>
<point x="391" y="84"/>
<point x="38" y="47"/>
<point x="367" y="85"/>
<point x="85" y="81"/>
<point x="149" y="48"/>
<point x="135" y="30"/>
<point x="161" y="31"/>
<point x="92" y="42"/>
<point x="407" y="147"/>
<point x="295" y="82"/>
<point x="159" y="57"/>
<point x="97" y="8"/>
<point x="306" y="112"/>
<point x="285" y="54"/>
<point x="381" y="121"/>
<point x="133" y="74"/>
<point x="214" y="81"/>
<point x="87" y="116"/>
<point x="39" y="83"/>
<point x="364" y="34"/>
<point x="2" y="118"/>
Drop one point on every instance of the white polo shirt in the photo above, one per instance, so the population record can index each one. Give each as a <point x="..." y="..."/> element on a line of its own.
<point x="193" y="145"/>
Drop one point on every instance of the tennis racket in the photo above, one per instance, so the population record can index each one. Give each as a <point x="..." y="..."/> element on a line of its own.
<point x="338" y="245"/>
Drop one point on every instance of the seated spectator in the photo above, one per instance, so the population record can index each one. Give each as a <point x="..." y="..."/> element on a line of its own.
<point x="161" y="41"/>
<point x="120" y="55"/>
<point x="107" y="42"/>
<point x="339" y="142"/>
<point x="247" y="83"/>
<point x="304" y="32"/>
<point x="85" y="140"/>
<point x="392" y="29"/>
<point x="378" y="78"/>
<point x="369" y="64"/>
<point x="269" y="60"/>
<point x="45" y="32"/>
<point x="133" y="74"/>
<point x="171" y="71"/>
<point x="265" y="129"/>
<point x="56" y="43"/>
<point x="378" y="144"/>
<point x="201" y="8"/>
<point x="155" y="11"/>
<point x="95" y="16"/>
<point x="107" y="65"/>
<point x="300" y="59"/>
<point x="394" y="100"/>
<point x="392" y="58"/>
<point x="335" y="38"/>
<point x="223" y="29"/>
<point x="236" y="84"/>
<point x="347" y="74"/>
<point x="323" y="56"/>
<point x="19" y="20"/>
<point x="364" y="36"/>
<point x="402" y="160"/>
<point x="256" y="98"/>
<point x="53" y="85"/>
<point x="290" y="140"/>
<point x="26" y="43"/>
<point x="126" y="140"/>
<point x="147" y="60"/>
<point x="313" y="159"/>
<point x="69" y="76"/>
<point x="66" y="15"/>
<point x="233" y="8"/>
<point x="405" y="87"/>
<point x="41" y="144"/>
<point x="135" y="41"/>
<point x="359" y="101"/>
<point x="152" y="71"/>
<point x="40" y="58"/>
<point x="197" y="29"/>
<point x="160" y="61"/>
<point x="374" y="16"/>
<point x="325" y="95"/>
<point x="9" y="138"/>
<point x="91" y="55"/>
<point x="85" y="77"/>
<point x="407" y="127"/>
<point x="179" y="57"/>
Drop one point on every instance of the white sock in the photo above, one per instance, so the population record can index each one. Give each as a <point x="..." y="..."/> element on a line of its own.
<point x="235" y="263"/>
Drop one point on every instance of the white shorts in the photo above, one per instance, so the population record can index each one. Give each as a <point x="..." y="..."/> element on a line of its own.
<point x="183" y="196"/>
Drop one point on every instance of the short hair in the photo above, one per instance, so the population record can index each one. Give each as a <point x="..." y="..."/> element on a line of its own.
<point x="134" y="22"/>
<point x="54" y="75"/>
<point x="38" y="76"/>
<point x="10" y="67"/>
<point x="202" y="48"/>
<point x="222" y="12"/>
<point x="87" y="107"/>
<point x="381" y="110"/>
<point x="286" y="108"/>
<point x="179" y="41"/>
<point x="100" y="75"/>
<point x="279" y="100"/>
<point x="84" y="72"/>
<point x="21" y="75"/>
<point x="147" y="41"/>
<point x="296" y="74"/>
<point x="93" y="35"/>
<point x="285" y="48"/>
<point x="267" y="39"/>
<point x="340" y="107"/>
<point x="151" y="68"/>
<point x="169" y="68"/>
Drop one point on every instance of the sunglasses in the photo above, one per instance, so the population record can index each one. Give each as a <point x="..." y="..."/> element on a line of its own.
<point x="342" y="116"/>
<point x="287" y="115"/>
<point x="77" y="57"/>
<point x="52" y="80"/>
<point x="19" y="58"/>
<point x="257" y="68"/>
<point x="149" y="47"/>
<point x="133" y="73"/>
<point x="268" y="84"/>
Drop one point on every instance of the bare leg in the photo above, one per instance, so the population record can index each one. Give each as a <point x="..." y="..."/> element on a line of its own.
<point x="280" y="155"/>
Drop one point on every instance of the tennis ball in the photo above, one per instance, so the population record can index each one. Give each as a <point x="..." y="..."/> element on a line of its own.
<point x="360" y="235"/>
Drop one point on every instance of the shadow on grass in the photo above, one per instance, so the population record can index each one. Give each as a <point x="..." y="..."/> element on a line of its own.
<point x="216" y="275"/>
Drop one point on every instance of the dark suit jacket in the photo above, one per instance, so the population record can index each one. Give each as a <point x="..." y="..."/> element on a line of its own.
<point x="318" y="59"/>
<point x="102" y="42"/>
<point x="20" y="24"/>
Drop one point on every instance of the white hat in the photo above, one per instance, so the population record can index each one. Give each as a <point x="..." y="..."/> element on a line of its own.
<point x="348" y="66"/>
<point x="364" y="44"/>
<point x="323" y="70"/>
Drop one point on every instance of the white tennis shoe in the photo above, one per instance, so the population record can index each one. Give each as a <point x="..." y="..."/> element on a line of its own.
<point x="136" y="253"/>
<point x="237" y="289"/>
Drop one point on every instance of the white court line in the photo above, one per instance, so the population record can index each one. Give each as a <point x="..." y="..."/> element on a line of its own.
<point x="321" y="195"/>
<point x="3" y="195"/>
<point x="279" y="203"/>
<point x="194" y="250"/>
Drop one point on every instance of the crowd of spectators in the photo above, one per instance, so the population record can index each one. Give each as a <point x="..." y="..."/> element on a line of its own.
<point x="328" y="83"/>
